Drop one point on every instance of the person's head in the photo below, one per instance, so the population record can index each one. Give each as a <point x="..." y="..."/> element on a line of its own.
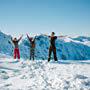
<point x="15" y="39"/>
<point x="52" y="34"/>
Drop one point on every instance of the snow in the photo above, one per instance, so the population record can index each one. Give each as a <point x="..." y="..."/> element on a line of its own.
<point x="87" y="43"/>
<point x="41" y="75"/>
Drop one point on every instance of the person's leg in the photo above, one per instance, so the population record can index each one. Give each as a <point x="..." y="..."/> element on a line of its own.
<point x="18" y="53"/>
<point x="33" y="51"/>
<point x="54" y="53"/>
<point x="15" y="53"/>
<point x="30" y="53"/>
<point x="50" y="51"/>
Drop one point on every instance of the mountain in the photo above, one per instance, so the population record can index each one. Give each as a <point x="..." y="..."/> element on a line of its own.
<point x="5" y="44"/>
<point x="82" y="38"/>
<point x="67" y="48"/>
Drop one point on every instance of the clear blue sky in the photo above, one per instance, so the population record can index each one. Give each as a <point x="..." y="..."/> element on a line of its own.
<point x="68" y="17"/>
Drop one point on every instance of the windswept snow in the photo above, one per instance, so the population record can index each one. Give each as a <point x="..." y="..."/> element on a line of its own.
<point x="41" y="75"/>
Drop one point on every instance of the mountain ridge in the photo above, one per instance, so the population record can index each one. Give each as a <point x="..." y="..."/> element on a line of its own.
<point x="67" y="48"/>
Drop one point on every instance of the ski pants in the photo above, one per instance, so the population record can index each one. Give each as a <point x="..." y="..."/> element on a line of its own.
<point x="16" y="53"/>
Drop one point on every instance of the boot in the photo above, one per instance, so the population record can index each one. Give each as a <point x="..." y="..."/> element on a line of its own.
<point x="48" y="59"/>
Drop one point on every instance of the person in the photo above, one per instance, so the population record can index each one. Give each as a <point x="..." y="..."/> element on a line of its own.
<point x="16" y="49"/>
<point x="32" y="47"/>
<point x="52" y="47"/>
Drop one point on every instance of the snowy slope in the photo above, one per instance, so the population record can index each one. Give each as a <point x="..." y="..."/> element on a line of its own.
<point x="85" y="40"/>
<point x="40" y="75"/>
<point x="67" y="48"/>
<point x="82" y="38"/>
<point x="5" y="44"/>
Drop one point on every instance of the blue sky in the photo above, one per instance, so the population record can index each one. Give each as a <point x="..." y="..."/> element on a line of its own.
<point x="67" y="17"/>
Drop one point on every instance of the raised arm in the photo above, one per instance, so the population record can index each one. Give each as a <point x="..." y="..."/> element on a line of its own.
<point x="20" y="38"/>
<point x="61" y="36"/>
<point x="11" y="39"/>
<point x="30" y="38"/>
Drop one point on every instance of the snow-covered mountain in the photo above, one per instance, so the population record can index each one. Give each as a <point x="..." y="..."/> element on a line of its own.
<point x="67" y="48"/>
<point x="82" y="38"/>
<point x="72" y="74"/>
<point x="5" y="44"/>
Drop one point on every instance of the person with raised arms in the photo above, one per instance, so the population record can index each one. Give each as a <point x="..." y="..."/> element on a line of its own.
<point x="52" y="47"/>
<point x="16" y="47"/>
<point x="32" y="46"/>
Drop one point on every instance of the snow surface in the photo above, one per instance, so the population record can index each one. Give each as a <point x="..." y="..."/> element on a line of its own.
<point x="41" y="75"/>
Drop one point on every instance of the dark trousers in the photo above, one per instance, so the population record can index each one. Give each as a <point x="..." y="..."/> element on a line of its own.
<point x="52" y="49"/>
<point x="32" y="52"/>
